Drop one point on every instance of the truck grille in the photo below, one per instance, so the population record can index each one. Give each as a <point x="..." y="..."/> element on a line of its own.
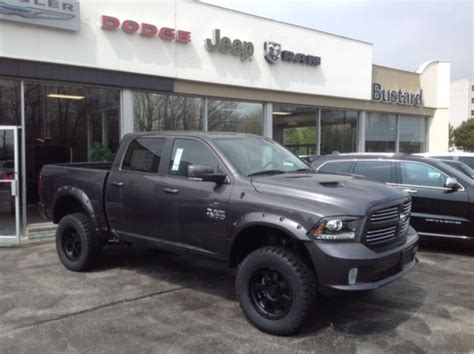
<point x="388" y="225"/>
<point x="385" y="214"/>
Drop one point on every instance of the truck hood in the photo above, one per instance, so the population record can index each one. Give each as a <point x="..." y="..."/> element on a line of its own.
<point x="348" y="194"/>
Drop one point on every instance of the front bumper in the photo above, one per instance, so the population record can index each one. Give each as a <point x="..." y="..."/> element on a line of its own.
<point x="334" y="260"/>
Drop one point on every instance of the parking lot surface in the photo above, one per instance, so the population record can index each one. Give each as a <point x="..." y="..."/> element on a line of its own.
<point x="144" y="300"/>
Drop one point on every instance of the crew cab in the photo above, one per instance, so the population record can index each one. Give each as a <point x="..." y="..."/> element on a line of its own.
<point x="238" y="199"/>
<point x="443" y="197"/>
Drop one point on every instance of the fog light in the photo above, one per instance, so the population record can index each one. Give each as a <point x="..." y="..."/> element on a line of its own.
<point x="353" y="276"/>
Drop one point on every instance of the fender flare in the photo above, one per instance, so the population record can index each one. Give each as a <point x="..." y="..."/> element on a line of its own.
<point x="283" y="223"/>
<point x="80" y="197"/>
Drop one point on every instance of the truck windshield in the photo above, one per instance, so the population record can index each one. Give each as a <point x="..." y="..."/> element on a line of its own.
<point x="255" y="156"/>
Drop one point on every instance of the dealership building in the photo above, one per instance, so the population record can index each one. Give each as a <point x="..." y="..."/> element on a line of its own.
<point x="76" y="76"/>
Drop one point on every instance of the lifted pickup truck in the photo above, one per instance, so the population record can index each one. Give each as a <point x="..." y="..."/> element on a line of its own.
<point x="239" y="199"/>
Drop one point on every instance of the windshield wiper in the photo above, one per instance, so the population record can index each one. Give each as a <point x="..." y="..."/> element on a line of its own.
<point x="266" y="172"/>
<point x="307" y="169"/>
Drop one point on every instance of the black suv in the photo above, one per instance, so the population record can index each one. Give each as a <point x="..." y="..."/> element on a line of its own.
<point x="442" y="196"/>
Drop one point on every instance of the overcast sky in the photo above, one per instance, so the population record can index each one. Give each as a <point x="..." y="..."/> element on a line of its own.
<point x="405" y="33"/>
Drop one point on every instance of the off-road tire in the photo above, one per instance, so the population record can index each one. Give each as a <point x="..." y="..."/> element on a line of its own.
<point x="90" y="242"/>
<point x="298" y="275"/>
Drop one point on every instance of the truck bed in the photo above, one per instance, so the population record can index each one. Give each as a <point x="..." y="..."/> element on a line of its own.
<point x="86" y="179"/>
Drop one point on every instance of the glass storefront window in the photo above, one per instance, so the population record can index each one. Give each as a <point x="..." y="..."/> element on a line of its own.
<point x="381" y="133"/>
<point x="10" y="102"/>
<point x="154" y="112"/>
<point x="338" y="131"/>
<point x="233" y="116"/>
<point x="295" y="127"/>
<point x="412" y="134"/>
<point x="67" y="124"/>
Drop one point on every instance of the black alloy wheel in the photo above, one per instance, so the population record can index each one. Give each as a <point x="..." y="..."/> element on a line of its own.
<point x="270" y="293"/>
<point x="72" y="245"/>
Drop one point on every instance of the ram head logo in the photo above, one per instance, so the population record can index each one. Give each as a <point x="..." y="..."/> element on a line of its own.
<point x="272" y="52"/>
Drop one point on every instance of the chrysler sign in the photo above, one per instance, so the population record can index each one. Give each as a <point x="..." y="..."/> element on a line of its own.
<point x="63" y="14"/>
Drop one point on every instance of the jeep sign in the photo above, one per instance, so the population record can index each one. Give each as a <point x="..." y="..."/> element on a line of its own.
<point x="63" y="14"/>
<point x="225" y="45"/>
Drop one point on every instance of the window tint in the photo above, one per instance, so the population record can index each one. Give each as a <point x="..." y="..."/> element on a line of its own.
<point x="190" y="152"/>
<point x="336" y="166"/>
<point x="467" y="160"/>
<point x="421" y="175"/>
<point x="379" y="170"/>
<point x="143" y="155"/>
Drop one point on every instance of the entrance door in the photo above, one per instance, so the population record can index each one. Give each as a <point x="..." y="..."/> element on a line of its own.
<point x="9" y="186"/>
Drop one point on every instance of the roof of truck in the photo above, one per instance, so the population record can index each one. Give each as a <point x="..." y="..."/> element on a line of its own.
<point x="195" y="133"/>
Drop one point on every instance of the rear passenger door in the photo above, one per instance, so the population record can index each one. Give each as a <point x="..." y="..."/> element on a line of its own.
<point x="380" y="170"/>
<point x="435" y="210"/>
<point x="133" y="190"/>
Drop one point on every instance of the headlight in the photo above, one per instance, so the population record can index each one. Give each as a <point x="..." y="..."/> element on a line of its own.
<point x="336" y="228"/>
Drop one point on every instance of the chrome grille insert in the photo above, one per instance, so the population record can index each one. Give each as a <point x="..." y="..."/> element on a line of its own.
<point x="407" y="207"/>
<point x="385" y="214"/>
<point x="381" y="235"/>
<point x="404" y="225"/>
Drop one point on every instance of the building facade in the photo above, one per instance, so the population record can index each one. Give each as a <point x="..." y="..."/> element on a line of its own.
<point x="461" y="99"/>
<point x="76" y="76"/>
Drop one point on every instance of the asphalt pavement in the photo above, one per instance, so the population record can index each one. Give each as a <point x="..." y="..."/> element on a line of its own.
<point x="143" y="300"/>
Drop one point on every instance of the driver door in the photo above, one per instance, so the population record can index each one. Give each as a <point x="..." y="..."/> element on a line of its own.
<point x="436" y="210"/>
<point x="193" y="209"/>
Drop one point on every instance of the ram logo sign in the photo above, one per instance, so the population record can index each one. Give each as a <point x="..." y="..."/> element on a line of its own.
<point x="63" y="14"/>
<point x="273" y="53"/>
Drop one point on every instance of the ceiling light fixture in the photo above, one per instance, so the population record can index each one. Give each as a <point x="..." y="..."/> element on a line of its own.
<point x="67" y="97"/>
<point x="281" y="113"/>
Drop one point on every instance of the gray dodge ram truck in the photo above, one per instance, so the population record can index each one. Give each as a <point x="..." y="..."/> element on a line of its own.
<point x="240" y="199"/>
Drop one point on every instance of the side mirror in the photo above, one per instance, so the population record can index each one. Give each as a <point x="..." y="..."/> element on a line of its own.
<point x="452" y="183"/>
<point x="204" y="173"/>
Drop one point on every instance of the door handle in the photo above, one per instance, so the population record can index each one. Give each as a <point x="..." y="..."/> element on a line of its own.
<point x="409" y="190"/>
<point x="117" y="184"/>
<point x="171" y="190"/>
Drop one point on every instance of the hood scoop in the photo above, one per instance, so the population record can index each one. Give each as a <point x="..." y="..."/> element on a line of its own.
<point x="334" y="184"/>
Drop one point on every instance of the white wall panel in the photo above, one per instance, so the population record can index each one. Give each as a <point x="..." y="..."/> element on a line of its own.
<point x="345" y="71"/>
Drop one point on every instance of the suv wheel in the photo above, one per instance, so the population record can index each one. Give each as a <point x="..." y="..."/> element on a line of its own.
<point x="77" y="243"/>
<point x="276" y="290"/>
